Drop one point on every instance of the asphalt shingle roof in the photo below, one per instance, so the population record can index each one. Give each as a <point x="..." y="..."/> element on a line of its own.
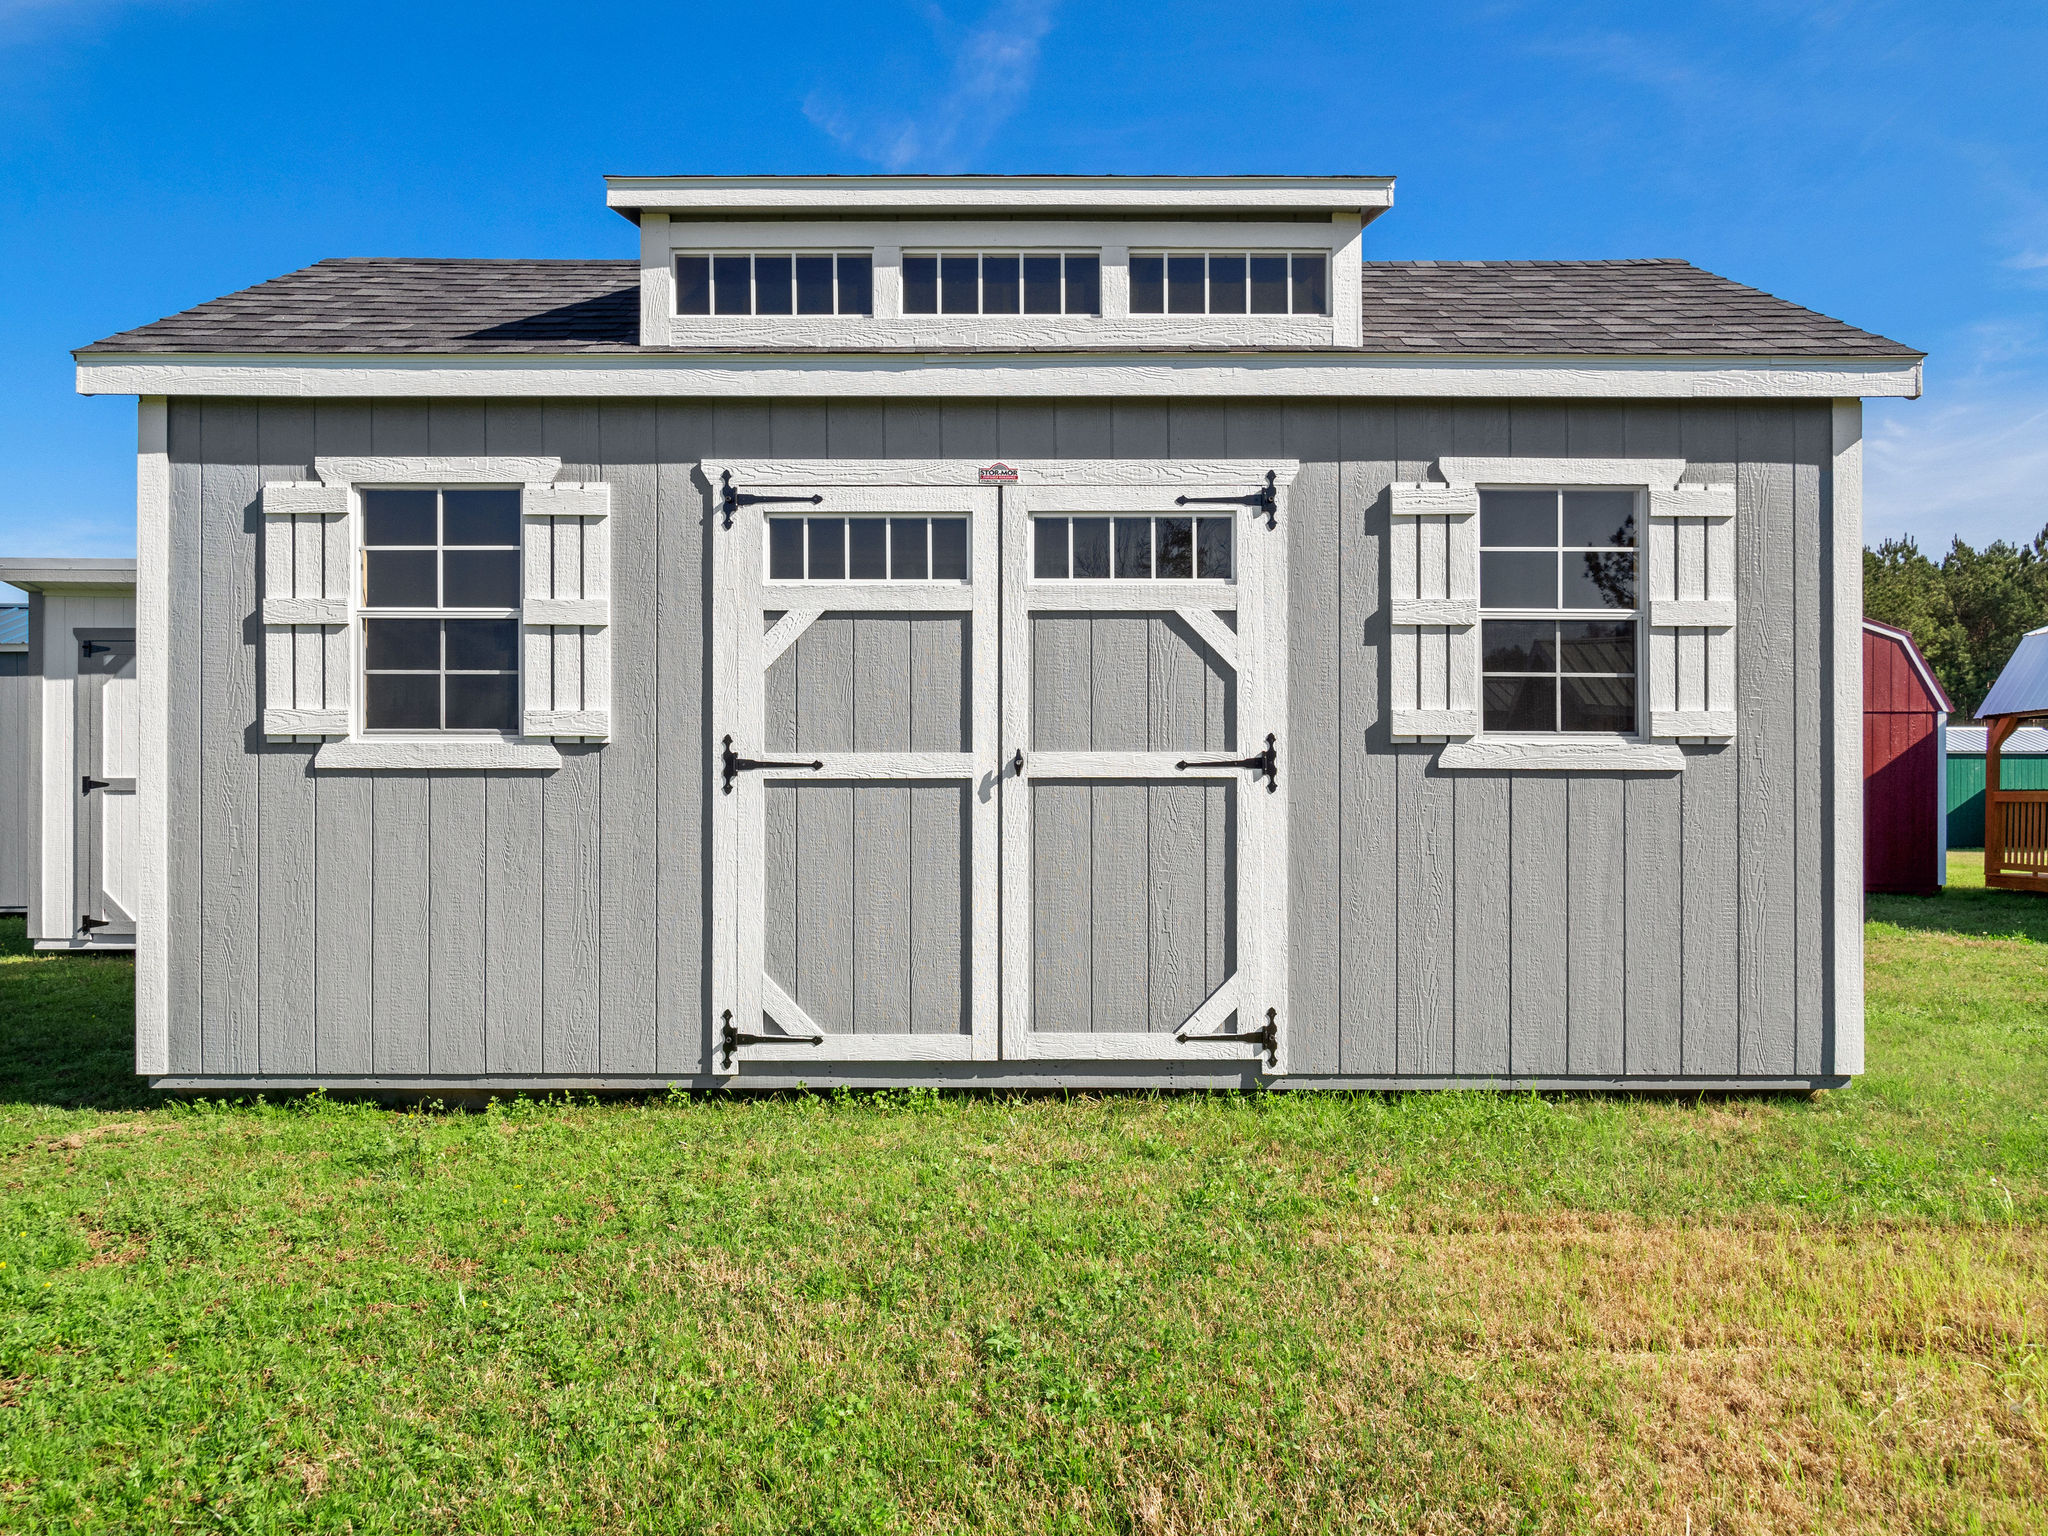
<point x="368" y="305"/>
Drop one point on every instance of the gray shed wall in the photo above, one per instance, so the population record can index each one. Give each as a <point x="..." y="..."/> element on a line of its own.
<point x="1444" y="926"/>
<point x="20" y="695"/>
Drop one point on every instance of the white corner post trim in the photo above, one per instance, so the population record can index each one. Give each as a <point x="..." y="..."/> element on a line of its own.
<point x="1845" y="547"/>
<point x="152" y="782"/>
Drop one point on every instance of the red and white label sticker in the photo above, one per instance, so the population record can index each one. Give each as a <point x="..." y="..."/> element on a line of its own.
<point x="998" y="474"/>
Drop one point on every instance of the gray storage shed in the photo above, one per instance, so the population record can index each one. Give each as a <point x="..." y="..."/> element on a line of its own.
<point x="68" y="717"/>
<point x="1035" y="631"/>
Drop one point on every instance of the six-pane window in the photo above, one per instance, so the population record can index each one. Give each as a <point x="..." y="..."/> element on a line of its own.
<point x="1230" y="283"/>
<point x="1131" y="548"/>
<point x="1002" y="283"/>
<point x="1557" y="594"/>
<point x="806" y="283"/>
<point x="878" y="548"/>
<point x="441" y="583"/>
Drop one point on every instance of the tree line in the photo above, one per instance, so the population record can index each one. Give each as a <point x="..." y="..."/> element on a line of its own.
<point x="1967" y="612"/>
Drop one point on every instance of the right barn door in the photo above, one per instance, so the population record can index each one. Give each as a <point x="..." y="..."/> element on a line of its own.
<point x="1144" y="788"/>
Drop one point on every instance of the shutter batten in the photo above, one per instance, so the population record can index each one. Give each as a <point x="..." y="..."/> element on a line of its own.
<point x="566" y="611"/>
<point x="307" y="660"/>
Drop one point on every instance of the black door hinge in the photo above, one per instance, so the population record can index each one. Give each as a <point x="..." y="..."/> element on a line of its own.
<point x="87" y="922"/>
<point x="732" y="765"/>
<point x="1266" y="762"/>
<point x="730" y="499"/>
<point x="731" y="1039"/>
<point x="90" y="648"/>
<point x="1268" y="1038"/>
<point x="88" y="784"/>
<point x="1266" y="500"/>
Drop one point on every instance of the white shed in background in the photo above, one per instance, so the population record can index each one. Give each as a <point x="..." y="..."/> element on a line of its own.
<point x="68" y="752"/>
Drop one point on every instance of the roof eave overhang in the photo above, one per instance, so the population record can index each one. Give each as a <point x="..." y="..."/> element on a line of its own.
<point x="926" y="197"/>
<point x="967" y="375"/>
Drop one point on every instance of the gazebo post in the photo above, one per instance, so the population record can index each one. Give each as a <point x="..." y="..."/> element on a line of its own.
<point x="1994" y="811"/>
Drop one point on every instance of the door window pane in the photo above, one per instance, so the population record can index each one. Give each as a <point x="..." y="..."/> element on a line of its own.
<point x="399" y="517"/>
<point x="1133" y="548"/>
<point x="1268" y="284"/>
<point x="1148" y="285"/>
<point x="773" y="291"/>
<point x="1226" y="285"/>
<point x="959" y="285"/>
<point x="949" y="549"/>
<point x="1049" y="548"/>
<point x="814" y="285"/>
<point x="920" y="285"/>
<point x="732" y="286"/>
<point x="400" y="578"/>
<point x="1310" y="288"/>
<point x="785" y="549"/>
<point x="1084" y="285"/>
<point x="693" y="285"/>
<point x="828" y="548"/>
<point x="1186" y="288"/>
<point x="856" y="285"/>
<point x="1176" y="548"/>
<point x="1518" y="578"/>
<point x="1212" y="547"/>
<point x="1041" y="285"/>
<point x="867" y="552"/>
<point x="1091" y="549"/>
<point x="1000" y="293"/>
<point x="910" y="549"/>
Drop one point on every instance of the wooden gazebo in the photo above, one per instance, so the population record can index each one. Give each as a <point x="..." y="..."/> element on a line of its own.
<point x="2016" y="820"/>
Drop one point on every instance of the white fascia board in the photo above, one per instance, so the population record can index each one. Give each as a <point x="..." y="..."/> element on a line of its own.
<point x="839" y="195"/>
<point x="646" y="375"/>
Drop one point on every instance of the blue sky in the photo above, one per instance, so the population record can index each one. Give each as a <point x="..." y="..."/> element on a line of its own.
<point x="1884" y="162"/>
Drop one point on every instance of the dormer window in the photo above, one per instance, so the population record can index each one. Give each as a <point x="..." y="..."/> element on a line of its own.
<point x="1002" y="283"/>
<point x="806" y="283"/>
<point x="1230" y="283"/>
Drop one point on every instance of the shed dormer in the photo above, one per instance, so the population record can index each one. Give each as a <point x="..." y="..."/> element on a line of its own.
<point x="1000" y="264"/>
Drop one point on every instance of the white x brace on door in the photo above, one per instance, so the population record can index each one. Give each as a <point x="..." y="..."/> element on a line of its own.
<point x="867" y="765"/>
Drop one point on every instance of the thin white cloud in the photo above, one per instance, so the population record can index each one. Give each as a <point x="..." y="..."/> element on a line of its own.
<point x="994" y="65"/>
<point x="1975" y="469"/>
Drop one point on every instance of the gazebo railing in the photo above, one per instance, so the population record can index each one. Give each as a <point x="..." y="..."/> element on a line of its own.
<point x="2015" y="824"/>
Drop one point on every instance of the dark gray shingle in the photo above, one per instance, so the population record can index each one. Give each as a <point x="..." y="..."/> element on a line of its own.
<point x="368" y="305"/>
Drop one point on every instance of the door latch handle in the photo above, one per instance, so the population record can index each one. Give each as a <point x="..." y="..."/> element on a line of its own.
<point x="732" y="765"/>
<point x="1017" y="763"/>
<point x="1266" y="762"/>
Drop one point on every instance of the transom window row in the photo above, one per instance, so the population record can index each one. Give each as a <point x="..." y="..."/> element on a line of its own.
<point x="1002" y="283"/>
<point x="1230" y="283"/>
<point x="875" y="548"/>
<point x="1131" y="548"/>
<point x="811" y="284"/>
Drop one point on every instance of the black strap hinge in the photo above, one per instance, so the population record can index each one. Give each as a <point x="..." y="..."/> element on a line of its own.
<point x="731" y="499"/>
<point x="88" y="784"/>
<point x="1268" y="1039"/>
<point x="1266" y="500"/>
<point x="730" y="1039"/>
<point x="93" y="648"/>
<point x="87" y="922"/>
<point x="1266" y="762"/>
<point x="732" y="765"/>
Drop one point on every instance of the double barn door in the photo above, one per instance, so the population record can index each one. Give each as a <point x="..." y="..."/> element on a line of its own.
<point x="998" y="771"/>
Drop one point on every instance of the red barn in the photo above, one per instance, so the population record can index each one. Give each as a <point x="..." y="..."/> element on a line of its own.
<point x="1905" y="712"/>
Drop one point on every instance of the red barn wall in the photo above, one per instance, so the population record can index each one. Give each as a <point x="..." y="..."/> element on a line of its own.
<point x="1901" y="771"/>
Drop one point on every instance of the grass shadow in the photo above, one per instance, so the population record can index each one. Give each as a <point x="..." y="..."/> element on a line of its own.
<point x="67" y="1027"/>
<point x="1966" y="911"/>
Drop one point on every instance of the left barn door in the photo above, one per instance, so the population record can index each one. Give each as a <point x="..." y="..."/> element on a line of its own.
<point x="104" y="726"/>
<point x="853" y="769"/>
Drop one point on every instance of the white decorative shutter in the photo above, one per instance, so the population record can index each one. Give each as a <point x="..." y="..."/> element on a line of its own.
<point x="1691" y="627"/>
<point x="566" y="611"/>
<point x="308" y="660"/>
<point x="1433" y="574"/>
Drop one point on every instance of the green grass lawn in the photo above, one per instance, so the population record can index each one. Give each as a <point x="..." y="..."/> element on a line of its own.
<point x="1456" y="1312"/>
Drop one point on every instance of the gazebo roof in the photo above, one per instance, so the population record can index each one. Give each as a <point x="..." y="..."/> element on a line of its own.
<point x="2022" y="688"/>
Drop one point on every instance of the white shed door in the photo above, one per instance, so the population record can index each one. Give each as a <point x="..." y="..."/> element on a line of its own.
<point x="1145" y="793"/>
<point x="106" y="746"/>
<point x="854" y="796"/>
<point x="1060" y="700"/>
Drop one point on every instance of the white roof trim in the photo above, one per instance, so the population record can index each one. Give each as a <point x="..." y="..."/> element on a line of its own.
<point x="829" y="195"/>
<point x="983" y="375"/>
<point x="35" y="575"/>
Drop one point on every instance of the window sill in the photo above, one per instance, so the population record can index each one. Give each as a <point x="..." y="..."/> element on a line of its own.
<point x="1531" y="756"/>
<point x="344" y="756"/>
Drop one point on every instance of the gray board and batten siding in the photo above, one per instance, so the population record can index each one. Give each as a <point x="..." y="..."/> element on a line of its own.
<point x="467" y="929"/>
<point x="20" y="695"/>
